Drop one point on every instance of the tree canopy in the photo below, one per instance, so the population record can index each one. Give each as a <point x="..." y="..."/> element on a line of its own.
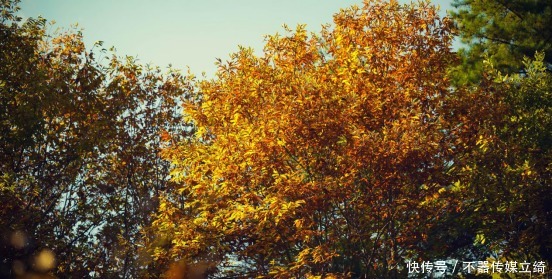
<point x="79" y="140"/>
<point x="347" y="153"/>
<point x="323" y="157"/>
<point x="503" y="166"/>
<point x="503" y="31"/>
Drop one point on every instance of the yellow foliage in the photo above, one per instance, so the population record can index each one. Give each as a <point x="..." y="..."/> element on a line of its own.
<point x="296" y="151"/>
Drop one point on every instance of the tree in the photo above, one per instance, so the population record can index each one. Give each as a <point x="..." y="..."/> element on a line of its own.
<point x="502" y="169"/>
<point x="143" y="104"/>
<point x="79" y="140"/>
<point x="502" y="144"/>
<point x="325" y="157"/>
<point x="505" y="31"/>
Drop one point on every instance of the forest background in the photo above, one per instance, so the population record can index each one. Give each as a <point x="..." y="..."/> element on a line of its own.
<point x="343" y="153"/>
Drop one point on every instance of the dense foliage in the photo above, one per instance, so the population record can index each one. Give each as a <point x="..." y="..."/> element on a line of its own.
<point x="502" y="31"/>
<point x="324" y="157"/>
<point x="340" y="154"/>
<point x="79" y="170"/>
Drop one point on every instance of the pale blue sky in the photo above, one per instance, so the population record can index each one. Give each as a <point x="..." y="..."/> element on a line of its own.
<point x="187" y="32"/>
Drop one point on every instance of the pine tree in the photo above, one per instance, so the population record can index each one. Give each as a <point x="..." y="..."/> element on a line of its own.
<point x="505" y="31"/>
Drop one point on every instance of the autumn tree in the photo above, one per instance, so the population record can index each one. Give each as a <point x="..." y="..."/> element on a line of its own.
<point x="504" y="31"/>
<point x="324" y="157"/>
<point x="502" y="167"/>
<point x="79" y="138"/>
<point x="144" y="106"/>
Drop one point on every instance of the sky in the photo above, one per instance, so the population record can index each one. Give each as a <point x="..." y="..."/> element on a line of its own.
<point x="186" y="33"/>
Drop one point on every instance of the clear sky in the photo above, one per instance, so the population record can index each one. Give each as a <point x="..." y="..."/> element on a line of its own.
<point x="185" y="32"/>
